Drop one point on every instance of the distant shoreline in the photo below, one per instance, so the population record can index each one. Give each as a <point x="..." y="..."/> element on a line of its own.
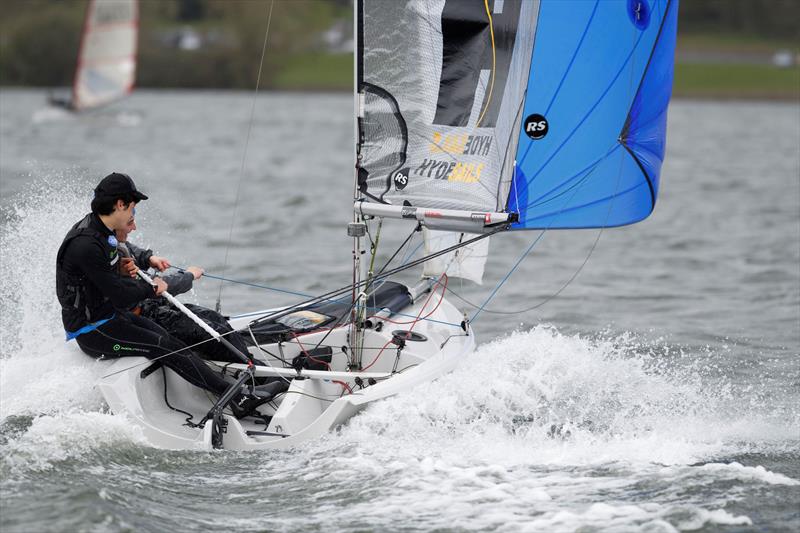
<point x="677" y="93"/>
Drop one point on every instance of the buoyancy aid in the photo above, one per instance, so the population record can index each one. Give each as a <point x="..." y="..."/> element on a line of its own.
<point x="71" y="289"/>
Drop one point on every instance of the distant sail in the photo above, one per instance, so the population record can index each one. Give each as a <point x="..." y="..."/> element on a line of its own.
<point x="553" y="110"/>
<point x="106" y="67"/>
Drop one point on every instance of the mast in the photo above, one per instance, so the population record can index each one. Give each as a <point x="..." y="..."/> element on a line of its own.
<point x="357" y="228"/>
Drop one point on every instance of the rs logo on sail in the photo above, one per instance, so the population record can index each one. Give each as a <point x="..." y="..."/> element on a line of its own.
<point x="401" y="179"/>
<point x="536" y="126"/>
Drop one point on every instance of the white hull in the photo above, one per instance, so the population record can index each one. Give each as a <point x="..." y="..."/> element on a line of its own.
<point x="313" y="405"/>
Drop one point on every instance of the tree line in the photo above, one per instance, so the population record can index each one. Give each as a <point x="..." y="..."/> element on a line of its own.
<point x="39" y="39"/>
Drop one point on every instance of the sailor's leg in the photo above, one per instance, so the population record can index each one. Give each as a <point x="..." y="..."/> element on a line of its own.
<point x="130" y="335"/>
<point x="215" y="350"/>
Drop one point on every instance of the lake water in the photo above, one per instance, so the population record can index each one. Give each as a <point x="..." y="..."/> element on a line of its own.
<point x="671" y="359"/>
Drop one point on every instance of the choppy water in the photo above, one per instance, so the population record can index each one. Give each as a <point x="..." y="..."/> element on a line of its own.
<point x="671" y="360"/>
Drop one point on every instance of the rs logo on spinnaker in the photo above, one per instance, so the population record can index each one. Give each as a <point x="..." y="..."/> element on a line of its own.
<point x="536" y="126"/>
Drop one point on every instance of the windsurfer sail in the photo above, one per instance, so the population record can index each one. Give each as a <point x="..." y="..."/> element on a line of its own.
<point x="106" y="67"/>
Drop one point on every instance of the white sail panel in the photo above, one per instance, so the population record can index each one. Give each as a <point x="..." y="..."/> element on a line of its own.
<point x="107" y="61"/>
<point x="442" y="84"/>
<point x="467" y="262"/>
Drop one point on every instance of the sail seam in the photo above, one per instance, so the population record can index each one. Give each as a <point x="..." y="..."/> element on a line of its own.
<point x="543" y="199"/>
<point x="589" y="112"/>
<point x="566" y="72"/>
<point x="644" y="173"/>
<point x="625" y="128"/>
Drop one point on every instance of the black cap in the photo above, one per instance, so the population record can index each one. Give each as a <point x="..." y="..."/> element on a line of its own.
<point x="118" y="184"/>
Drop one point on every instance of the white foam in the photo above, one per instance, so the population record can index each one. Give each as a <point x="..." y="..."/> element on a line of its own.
<point x="52" y="439"/>
<point x="607" y="405"/>
<point x="39" y="371"/>
<point x="759" y="473"/>
<point x="478" y="445"/>
<point x="698" y="518"/>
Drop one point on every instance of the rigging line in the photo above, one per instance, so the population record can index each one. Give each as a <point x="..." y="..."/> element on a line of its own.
<point x="345" y="289"/>
<point x="250" y="284"/>
<point x="374" y="279"/>
<point x="539" y="237"/>
<point x="305" y="295"/>
<point x="491" y="83"/>
<point x="528" y="251"/>
<point x="508" y="275"/>
<point x="411" y="254"/>
<point x="244" y="154"/>
<point x="252" y="336"/>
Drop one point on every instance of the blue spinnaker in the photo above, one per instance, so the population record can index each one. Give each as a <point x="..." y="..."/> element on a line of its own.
<point x="593" y="128"/>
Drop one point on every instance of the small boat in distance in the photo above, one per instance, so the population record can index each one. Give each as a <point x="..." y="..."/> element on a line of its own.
<point x="106" y="66"/>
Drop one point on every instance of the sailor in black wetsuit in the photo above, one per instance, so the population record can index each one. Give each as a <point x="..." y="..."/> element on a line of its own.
<point x="92" y="293"/>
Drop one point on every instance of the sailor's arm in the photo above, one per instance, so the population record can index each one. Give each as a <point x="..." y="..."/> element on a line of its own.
<point x="182" y="282"/>
<point x="140" y="255"/>
<point x="179" y="282"/>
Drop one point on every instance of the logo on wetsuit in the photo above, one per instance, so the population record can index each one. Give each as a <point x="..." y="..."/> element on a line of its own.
<point x="117" y="348"/>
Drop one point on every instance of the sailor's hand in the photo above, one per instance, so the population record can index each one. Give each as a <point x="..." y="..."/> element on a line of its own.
<point x="159" y="263"/>
<point x="159" y="285"/>
<point x="127" y="267"/>
<point x="195" y="271"/>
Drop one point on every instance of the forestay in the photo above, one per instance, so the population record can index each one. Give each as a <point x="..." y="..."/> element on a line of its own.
<point x="107" y="60"/>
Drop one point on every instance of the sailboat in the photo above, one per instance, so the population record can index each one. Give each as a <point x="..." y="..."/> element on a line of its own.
<point x="472" y="120"/>
<point x="106" y="66"/>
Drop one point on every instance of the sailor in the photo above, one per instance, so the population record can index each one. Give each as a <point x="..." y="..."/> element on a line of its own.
<point x="94" y="298"/>
<point x="160" y="311"/>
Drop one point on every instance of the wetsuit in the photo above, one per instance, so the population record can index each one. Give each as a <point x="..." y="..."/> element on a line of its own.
<point x="160" y="311"/>
<point x="92" y="293"/>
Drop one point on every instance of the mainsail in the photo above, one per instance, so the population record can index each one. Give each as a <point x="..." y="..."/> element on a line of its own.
<point x="107" y="59"/>
<point x="552" y="112"/>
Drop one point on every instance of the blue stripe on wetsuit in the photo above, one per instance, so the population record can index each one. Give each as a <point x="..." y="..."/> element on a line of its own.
<point x="88" y="327"/>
